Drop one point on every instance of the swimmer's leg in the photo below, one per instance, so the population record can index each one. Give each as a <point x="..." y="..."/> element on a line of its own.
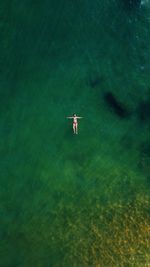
<point x="74" y="129"/>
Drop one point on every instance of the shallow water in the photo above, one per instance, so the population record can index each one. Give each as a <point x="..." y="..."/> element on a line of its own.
<point x="61" y="194"/>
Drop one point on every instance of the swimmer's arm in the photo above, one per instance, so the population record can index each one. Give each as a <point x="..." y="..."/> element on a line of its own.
<point x="79" y="117"/>
<point x="69" y="117"/>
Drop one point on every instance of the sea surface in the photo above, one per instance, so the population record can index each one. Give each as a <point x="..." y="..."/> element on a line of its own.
<point x="70" y="200"/>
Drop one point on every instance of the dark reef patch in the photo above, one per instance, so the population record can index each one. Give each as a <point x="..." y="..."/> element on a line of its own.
<point x="143" y="111"/>
<point x="95" y="80"/>
<point x="145" y="149"/>
<point x="113" y="103"/>
<point x="131" y="4"/>
<point x="144" y="158"/>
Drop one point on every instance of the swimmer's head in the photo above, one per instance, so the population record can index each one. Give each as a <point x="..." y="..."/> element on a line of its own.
<point x="74" y="115"/>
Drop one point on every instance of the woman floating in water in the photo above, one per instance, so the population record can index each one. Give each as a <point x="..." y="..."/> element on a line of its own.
<point x="75" y="123"/>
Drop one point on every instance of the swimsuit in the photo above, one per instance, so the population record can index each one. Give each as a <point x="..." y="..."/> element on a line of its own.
<point x="75" y="123"/>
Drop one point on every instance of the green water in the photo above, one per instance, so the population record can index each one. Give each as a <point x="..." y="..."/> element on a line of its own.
<point x="59" y="192"/>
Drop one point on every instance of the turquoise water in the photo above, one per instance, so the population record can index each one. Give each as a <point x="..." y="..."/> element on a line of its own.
<point x="60" y="192"/>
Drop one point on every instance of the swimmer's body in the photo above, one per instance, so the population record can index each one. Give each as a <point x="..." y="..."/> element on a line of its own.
<point x="75" y="123"/>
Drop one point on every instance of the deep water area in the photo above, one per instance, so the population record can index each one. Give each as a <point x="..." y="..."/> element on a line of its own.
<point x="70" y="200"/>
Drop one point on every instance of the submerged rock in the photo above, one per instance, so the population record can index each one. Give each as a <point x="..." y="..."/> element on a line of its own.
<point x="118" y="108"/>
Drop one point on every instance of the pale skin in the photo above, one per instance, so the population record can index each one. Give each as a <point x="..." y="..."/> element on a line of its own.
<point x="75" y="123"/>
